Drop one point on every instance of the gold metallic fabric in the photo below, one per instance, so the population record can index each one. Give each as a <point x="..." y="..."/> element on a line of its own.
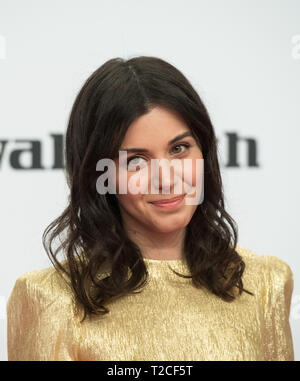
<point x="169" y="320"/>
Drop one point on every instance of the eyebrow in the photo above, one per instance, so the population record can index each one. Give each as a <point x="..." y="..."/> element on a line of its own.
<point x="174" y="140"/>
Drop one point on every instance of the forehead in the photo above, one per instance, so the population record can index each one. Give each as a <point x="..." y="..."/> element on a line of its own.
<point x="158" y="126"/>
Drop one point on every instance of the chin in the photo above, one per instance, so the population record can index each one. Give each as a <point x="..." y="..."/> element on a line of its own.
<point x="169" y="228"/>
<point x="165" y="229"/>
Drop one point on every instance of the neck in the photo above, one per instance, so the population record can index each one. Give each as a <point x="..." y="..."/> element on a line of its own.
<point x="158" y="245"/>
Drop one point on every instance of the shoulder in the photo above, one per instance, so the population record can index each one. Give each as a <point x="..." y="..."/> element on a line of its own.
<point x="269" y="270"/>
<point x="250" y="257"/>
<point x="265" y="262"/>
<point x="45" y="286"/>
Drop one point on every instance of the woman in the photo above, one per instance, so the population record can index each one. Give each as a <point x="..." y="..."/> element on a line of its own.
<point x="142" y="279"/>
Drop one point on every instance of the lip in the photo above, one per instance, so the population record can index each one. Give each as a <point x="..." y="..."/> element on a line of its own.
<point x="169" y="200"/>
<point x="175" y="203"/>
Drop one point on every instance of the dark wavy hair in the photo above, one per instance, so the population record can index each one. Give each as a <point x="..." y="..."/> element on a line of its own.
<point x="112" y="98"/>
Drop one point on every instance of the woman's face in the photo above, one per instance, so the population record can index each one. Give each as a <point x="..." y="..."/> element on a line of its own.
<point x="153" y="132"/>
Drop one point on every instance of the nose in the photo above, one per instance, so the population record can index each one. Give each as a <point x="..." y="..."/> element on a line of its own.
<point x="164" y="177"/>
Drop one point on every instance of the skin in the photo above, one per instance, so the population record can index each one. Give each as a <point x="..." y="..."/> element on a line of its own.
<point x="159" y="233"/>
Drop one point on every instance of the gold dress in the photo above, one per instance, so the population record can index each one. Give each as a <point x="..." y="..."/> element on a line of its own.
<point x="169" y="320"/>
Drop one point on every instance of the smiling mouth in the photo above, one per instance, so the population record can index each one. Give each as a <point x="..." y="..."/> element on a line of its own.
<point x="168" y="201"/>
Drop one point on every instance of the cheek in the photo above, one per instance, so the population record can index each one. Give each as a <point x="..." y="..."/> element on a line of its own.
<point x="189" y="173"/>
<point x="125" y="201"/>
<point x="133" y="183"/>
<point x="129" y="201"/>
<point x="193" y="174"/>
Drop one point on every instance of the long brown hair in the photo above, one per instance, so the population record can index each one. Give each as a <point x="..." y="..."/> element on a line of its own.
<point x="111" y="99"/>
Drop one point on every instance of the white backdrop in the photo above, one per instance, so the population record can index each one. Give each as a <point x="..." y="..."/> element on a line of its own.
<point x="242" y="56"/>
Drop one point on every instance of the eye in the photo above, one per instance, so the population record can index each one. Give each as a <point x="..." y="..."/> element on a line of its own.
<point x="141" y="165"/>
<point x="186" y="145"/>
